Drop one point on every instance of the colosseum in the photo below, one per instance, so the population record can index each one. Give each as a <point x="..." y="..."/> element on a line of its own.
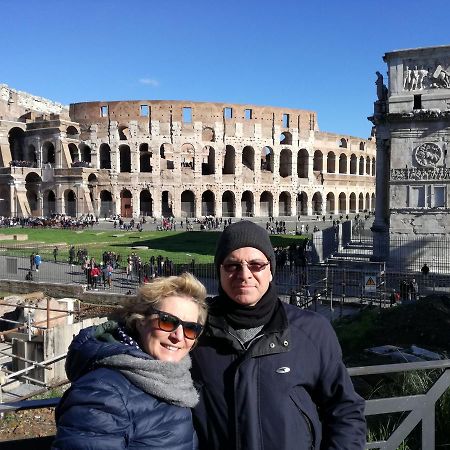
<point x="176" y="158"/>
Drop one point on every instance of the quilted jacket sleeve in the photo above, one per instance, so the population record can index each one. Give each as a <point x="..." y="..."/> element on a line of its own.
<point x="93" y="415"/>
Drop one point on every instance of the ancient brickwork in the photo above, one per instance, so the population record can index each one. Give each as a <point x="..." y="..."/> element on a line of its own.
<point x="180" y="158"/>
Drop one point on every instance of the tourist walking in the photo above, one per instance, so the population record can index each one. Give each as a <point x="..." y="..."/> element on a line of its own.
<point x="37" y="261"/>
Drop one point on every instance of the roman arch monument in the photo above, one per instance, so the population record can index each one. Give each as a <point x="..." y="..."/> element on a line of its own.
<point x="412" y="124"/>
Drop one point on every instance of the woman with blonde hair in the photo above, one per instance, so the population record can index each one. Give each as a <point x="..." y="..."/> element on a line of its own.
<point x="131" y="383"/>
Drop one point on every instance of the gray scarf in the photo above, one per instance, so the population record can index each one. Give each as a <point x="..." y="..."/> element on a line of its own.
<point x="168" y="381"/>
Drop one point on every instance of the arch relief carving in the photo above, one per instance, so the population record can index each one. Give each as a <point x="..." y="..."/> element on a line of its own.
<point x="427" y="154"/>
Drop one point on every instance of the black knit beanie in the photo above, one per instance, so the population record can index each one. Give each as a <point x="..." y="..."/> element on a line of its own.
<point x="244" y="234"/>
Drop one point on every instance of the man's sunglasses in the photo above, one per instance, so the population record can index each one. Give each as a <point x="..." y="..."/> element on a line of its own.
<point x="168" y="322"/>
<point x="253" y="266"/>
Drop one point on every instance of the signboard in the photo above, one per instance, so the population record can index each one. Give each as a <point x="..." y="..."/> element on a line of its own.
<point x="370" y="283"/>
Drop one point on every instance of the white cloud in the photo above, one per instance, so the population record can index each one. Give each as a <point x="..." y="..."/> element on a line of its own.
<point x="149" y="81"/>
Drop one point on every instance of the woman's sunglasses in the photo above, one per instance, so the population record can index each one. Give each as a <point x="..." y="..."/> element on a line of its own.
<point x="168" y="322"/>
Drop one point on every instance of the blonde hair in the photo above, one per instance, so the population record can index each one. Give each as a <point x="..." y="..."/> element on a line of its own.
<point x="152" y="294"/>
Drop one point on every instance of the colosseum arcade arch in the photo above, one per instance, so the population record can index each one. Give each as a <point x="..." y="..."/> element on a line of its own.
<point x="85" y="152"/>
<point x="285" y="138"/>
<point x="70" y="203"/>
<point x="317" y="203"/>
<point x="187" y="158"/>
<point x="285" y="163"/>
<point x="302" y="163"/>
<point x="208" y="160"/>
<point x="31" y="155"/>
<point x="166" y="204"/>
<point x="228" y="204"/>
<point x="352" y="203"/>
<point x="353" y="164"/>
<point x="331" y="162"/>
<point x="267" y="159"/>
<point x="106" y="204"/>
<point x="318" y="161"/>
<point x="126" y="203"/>
<point x="266" y="204"/>
<point x="284" y="204"/>
<point x="229" y="161"/>
<point x="343" y="163"/>
<point x="49" y="203"/>
<point x="302" y="204"/>
<point x="33" y="184"/>
<point x="125" y="159"/>
<point x="145" y="156"/>
<point x="248" y="158"/>
<point x="330" y="203"/>
<point x="187" y="204"/>
<point x="74" y="154"/>
<point x="208" y="204"/>
<point x="367" y="166"/>
<point x="208" y="134"/>
<point x="48" y="153"/>
<point x="342" y="203"/>
<point x="361" y="165"/>
<point x="15" y="140"/>
<point x="361" y="202"/>
<point x="146" y="203"/>
<point x="105" y="156"/>
<point x="247" y="204"/>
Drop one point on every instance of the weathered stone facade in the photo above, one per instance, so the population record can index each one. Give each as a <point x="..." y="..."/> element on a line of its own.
<point x="412" y="120"/>
<point x="180" y="158"/>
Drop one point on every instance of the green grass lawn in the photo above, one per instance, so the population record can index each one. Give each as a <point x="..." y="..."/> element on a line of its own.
<point x="180" y="246"/>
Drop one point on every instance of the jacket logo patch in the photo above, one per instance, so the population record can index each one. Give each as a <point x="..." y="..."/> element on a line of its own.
<point x="283" y="370"/>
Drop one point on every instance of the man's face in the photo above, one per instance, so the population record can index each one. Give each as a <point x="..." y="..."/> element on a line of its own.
<point x="242" y="285"/>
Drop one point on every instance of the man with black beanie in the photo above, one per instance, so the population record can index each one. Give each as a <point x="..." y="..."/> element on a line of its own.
<point x="270" y="374"/>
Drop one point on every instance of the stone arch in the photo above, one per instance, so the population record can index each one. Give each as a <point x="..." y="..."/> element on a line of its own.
<point x="187" y="204"/>
<point x="367" y="205"/>
<point x="373" y="167"/>
<point x="267" y="159"/>
<point x="85" y="152"/>
<point x="331" y="162"/>
<point x="285" y="163"/>
<point x="247" y="204"/>
<point x="125" y="159"/>
<point x="92" y="179"/>
<point x="330" y="203"/>
<point x="166" y="204"/>
<point x="367" y="165"/>
<point x="343" y="163"/>
<point x="353" y="164"/>
<point x="285" y="138"/>
<point x="74" y="153"/>
<point x="124" y="133"/>
<point x="284" y="204"/>
<point x="208" y="203"/>
<point x="318" y="161"/>
<point x="361" y="165"/>
<point x="343" y="143"/>
<point x="228" y="204"/>
<point x="248" y="158"/>
<point x="362" y="146"/>
<point x="352" y="203"/>
<point x="317" y="203"/>
<point x="187" y="153"/>
<point x="302" y="204"/>
<point x="72" y="132"/>
<point x="208" y="134"/>
<point x="106" y="204"/>
<point x="70" y="203"/>
<point x="49" y="203"/>
<point x="146" y="203"/>
<point x="33" y="202"/>
<point x="342" y="203"/>
<point x="105" y="156"/>
<point x="209" y="160"/>
<point x="266" y="204"/>
<point x="165" y="151"/>
<point x="361" y="202"/>
<point x="145" y="156"/>
<point x="302" y="163"/>
<point x="229" y="161"/>
<point x="33" y="184"/>
<point x="48" y="153"/>
<point x="31" y="155"/>
<point x="126" y="203"/>
<point x="15" y="139"/>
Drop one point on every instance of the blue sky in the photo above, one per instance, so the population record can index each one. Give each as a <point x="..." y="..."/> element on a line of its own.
<point x="307" y="54"/>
